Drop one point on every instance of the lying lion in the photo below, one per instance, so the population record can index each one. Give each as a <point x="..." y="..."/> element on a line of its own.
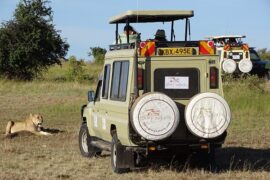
<point x="32" y="124"/>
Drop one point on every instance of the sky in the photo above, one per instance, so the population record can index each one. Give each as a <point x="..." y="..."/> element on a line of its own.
<point x="84" y="23"/>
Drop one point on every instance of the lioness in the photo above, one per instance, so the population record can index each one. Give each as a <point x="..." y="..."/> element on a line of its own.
<point x="31" y="124"/>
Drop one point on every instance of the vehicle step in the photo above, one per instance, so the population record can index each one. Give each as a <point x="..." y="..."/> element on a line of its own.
<point x="102" y="145"/>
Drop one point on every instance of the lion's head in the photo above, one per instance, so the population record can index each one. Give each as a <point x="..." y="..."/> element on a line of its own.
<point x="37" y="119"/>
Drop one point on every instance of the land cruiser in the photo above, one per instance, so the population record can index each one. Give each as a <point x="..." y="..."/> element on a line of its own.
<point x="154" y="96"/>
<point x="234" y="54"/>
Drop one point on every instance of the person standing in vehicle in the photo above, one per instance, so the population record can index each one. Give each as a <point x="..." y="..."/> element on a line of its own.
<point x="128" y="31"/>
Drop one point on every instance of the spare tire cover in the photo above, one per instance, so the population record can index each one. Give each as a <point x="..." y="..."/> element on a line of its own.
<point x="229" y="66"/>
<point x="154" y="116"/>
<point x="245" y="66"/>
<point x="207" y="115"/>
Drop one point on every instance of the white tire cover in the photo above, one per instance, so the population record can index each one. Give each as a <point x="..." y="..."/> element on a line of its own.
<point x="229" y="66"/>
<point x="245" y="66"/>
<point x="207" y="115"/>
<point x="155" y="116"/>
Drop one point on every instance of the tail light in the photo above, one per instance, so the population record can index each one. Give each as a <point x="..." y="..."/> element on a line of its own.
<point x="247" y="55"/>
<point x="140" y="78"/>
<point x="225" y="55"/>
<point x="213" y="78"/>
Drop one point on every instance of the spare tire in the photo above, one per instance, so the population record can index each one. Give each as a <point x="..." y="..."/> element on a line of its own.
<point x="154" y="116"/>
<point x="245" y="66"/>
<point x="229" y="66"/>
<point x="207" y="115"/>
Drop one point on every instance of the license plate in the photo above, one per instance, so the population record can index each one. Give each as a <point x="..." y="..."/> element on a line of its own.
<point x="177" y="51"/>
<point x="236" y="56"/>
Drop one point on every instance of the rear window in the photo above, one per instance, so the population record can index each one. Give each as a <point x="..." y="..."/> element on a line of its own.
<point x="177" y="83"/>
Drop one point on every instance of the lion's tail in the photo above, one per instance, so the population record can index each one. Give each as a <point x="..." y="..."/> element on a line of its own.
<point x="8" y="128"/>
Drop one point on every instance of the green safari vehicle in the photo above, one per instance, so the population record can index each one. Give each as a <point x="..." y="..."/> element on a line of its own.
<point x="155" y="95"/>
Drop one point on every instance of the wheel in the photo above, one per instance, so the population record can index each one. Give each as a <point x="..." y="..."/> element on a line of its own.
<point x="267" y="76"/>
<point x="87" y="150"/>
<point x="117" y="155"/>
<point x="155" y="116"/>
<point x="206" y="159"/>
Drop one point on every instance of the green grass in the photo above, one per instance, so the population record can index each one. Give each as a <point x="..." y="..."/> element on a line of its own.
<point x="245" y="154"/>
<point x="60" y="73"/>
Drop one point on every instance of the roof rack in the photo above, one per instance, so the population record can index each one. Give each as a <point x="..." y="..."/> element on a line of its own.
<point x="151" y="16"/>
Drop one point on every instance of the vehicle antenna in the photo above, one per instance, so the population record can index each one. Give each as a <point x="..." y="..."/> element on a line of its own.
<point x="137" y="11"/>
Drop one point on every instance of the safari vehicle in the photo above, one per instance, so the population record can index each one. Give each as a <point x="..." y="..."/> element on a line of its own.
<point x="155" y="96"/>
<point x="260" y="68"/>
<point x="234" y="54"/>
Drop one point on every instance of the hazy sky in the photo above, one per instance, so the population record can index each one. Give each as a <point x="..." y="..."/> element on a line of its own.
<point x="84" y="23"/>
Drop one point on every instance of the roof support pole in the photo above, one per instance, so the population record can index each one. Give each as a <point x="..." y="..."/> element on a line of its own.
<point x="172" y="30"/>
<point x="186" y="29"/>
<point x="127" y="33"/>
<point x="116" y="34"/>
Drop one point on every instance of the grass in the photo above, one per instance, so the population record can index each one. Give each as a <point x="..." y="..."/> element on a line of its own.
<point x="245" y="155"/>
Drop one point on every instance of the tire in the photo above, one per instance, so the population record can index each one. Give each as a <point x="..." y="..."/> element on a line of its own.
<point x="116" y="155"/>
<point x="206" y="159"/>
<point x="207" y="115"/>
<point x="229" y="66"/>
<point x="267" y="76"/>
<point x="87" y="150"/>
<point x="245" y="66"/>
<point x="155" y="116"/>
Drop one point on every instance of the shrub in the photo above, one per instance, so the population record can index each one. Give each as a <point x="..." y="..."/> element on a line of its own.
<point x="76" y="70"/>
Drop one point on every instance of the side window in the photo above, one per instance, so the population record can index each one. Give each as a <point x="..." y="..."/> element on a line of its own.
<point x="123" y="81"/>
<point x="115" y="80"/>
<point x="98" y="90"/>
<point x="119" y="80"/>
<point x="106" y="79"/>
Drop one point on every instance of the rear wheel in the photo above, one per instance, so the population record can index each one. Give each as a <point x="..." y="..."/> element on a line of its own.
<point x="267" y="76"/>
<point x="206" y="158"/>
<point x="87" y="150"/>
<point x="116" y="155"/>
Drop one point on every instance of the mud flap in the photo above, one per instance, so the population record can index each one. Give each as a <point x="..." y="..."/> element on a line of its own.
<point x="126" y="158"/>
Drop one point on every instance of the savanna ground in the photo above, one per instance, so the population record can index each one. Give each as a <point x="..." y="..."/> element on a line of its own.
<point x="245" y="154"/>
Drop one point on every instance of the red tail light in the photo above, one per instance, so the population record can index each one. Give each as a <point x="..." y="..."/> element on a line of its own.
<point x="140" y="78"/>
<point x="213" y="78"/>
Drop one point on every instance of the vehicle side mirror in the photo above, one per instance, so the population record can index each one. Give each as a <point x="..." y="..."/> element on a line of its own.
<point x="91" y="96"/>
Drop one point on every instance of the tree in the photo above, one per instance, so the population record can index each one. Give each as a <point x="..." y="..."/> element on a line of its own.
<point x="29" y="43"/>
<point x="98" y="53"/>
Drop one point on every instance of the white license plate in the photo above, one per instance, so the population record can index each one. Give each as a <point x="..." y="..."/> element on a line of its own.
<point x="236" y="57"/>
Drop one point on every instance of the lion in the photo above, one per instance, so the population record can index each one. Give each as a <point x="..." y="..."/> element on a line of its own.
<point x="32" y="124"/>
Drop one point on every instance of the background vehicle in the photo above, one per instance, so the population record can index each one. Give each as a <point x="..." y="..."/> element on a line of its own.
<point x="155" y="96"/>
<point x="234" y="54"/>
<point x="260" y="68"/>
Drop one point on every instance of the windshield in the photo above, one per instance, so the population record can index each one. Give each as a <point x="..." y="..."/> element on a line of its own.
<point x="254" y="56"/>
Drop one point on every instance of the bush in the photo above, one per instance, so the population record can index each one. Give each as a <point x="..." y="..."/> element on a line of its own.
<point x="76" y="70"/>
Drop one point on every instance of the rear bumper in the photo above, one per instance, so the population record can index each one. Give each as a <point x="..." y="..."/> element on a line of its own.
<point x="179" y="145"/>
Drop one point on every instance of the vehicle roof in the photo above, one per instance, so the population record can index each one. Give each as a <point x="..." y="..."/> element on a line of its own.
<point x="225" y="36"/>
<point x="151" y="16"/>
